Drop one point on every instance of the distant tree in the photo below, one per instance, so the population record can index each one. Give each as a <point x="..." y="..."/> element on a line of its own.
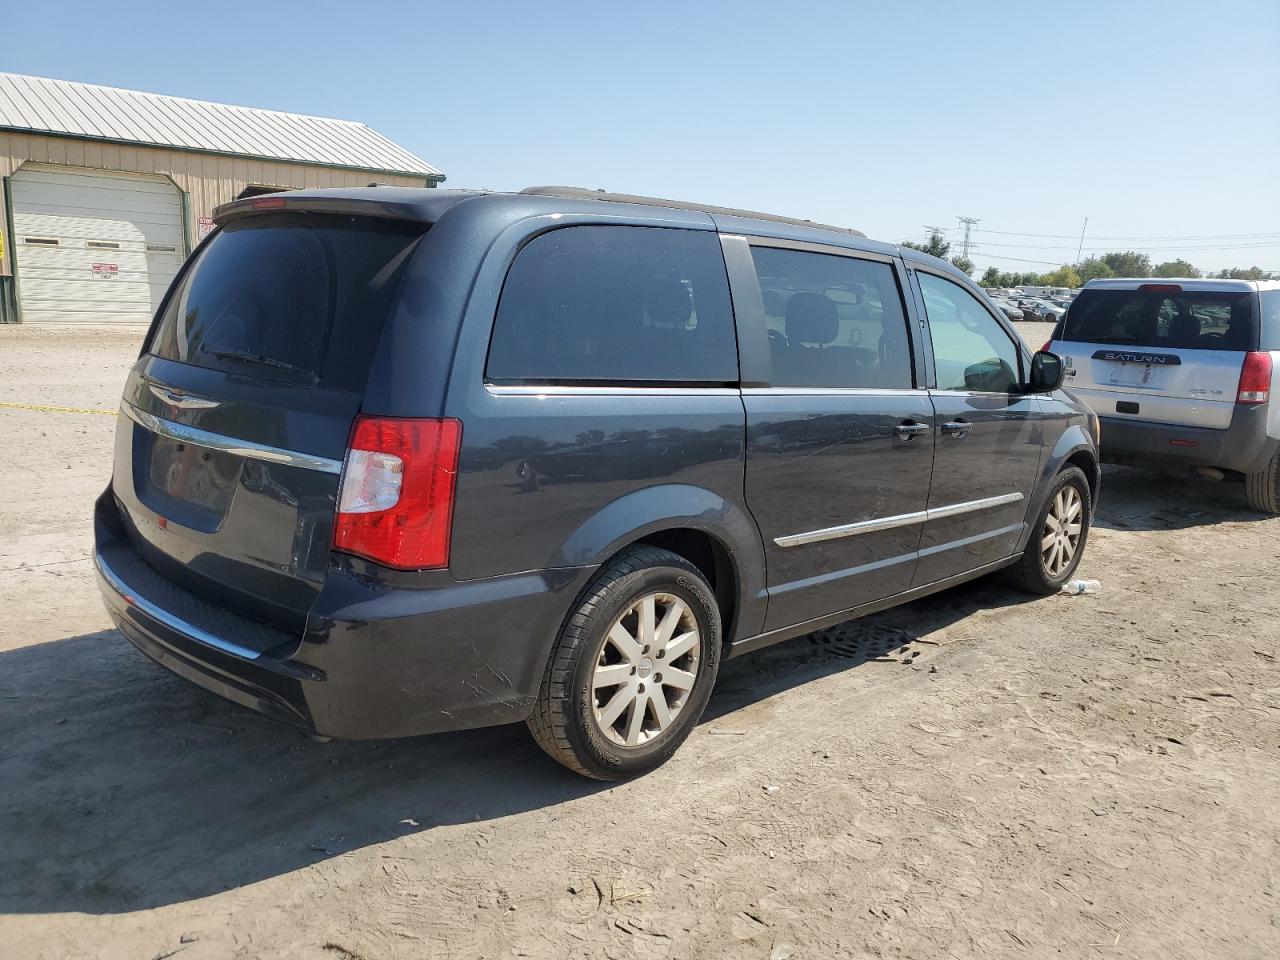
<point x="992" y="277"/>
<point x="964" y="263"/>
<point x="1093" y="269"/>
<point x="1128" y="264"/>
<point x="1243" y="273"/>
<point x="1174" y="268"/>
<point x="936" y="247"/>
<point x="1064" y="276"/>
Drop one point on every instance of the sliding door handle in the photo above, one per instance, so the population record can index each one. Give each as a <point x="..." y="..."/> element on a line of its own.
<point x="957" y="428"/>
<point x="910" y="430"/>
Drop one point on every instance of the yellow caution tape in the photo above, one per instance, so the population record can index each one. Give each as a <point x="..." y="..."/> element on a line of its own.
<point x="47" y="409"/>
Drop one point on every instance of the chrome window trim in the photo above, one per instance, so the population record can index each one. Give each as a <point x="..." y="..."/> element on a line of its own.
<point x="834" y="391"/>
<point x="569" y="390"/>
<point x="808" y="246"/>
<point x="900" y="520"/>
<point x="216" y="441"/>
<point x="177" y="624"/>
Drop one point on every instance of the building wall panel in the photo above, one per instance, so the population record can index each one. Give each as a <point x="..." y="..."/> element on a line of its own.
<point x="207" y="180"/>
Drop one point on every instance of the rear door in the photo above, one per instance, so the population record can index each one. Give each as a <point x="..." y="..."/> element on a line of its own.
<point x="235" y="421"/>
<point x="990" y="437"/>
<point x="1159" y="352"/>
<point x="839" y="442"/>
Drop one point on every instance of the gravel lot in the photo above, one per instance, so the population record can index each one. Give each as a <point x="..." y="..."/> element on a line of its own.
<point x="975" y="775"/>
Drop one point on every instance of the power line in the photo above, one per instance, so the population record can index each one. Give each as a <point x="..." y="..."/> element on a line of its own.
<point x="1150" y="236"/>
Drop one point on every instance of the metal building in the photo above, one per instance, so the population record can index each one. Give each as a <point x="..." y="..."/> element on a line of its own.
<point x="105" y="191"/>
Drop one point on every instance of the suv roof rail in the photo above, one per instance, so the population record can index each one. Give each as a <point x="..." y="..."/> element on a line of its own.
<point x="582" y="193"/>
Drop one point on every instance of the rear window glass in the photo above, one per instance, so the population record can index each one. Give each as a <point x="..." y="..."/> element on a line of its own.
<point x="1190" y="320"/>
<point x="608" y="304"/>
<point x="1270" y="319"/>
<point x="288" y="297"/>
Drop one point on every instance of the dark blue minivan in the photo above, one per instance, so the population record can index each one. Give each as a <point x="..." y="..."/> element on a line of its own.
<point x="399" y="461"/>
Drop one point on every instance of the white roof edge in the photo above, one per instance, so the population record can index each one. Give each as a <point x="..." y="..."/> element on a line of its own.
<point x="38" y="105"/>
<point x="1192" y="283"/>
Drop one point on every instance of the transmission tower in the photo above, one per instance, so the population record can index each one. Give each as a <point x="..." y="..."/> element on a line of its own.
<point x="967" y="245"/>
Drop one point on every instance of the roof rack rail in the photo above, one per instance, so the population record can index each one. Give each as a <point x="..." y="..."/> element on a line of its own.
<point x="581" y="193"/>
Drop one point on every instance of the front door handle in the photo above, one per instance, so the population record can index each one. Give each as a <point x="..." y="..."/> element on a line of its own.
<point x="957" y="428"/>
<point x="910" y="430"/>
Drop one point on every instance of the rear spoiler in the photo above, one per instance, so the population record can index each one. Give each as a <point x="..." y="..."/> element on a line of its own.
<point x="304" y="203"/>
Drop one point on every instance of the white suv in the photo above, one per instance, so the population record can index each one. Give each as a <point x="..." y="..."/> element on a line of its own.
<point x="1181" y="372"/>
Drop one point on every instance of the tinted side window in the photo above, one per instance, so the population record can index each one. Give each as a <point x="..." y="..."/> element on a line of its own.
<point x="971" y="350"/>
<point x="1270" y="302"/>
<point x="615" y="304"/>
<point x="833" y="321"/>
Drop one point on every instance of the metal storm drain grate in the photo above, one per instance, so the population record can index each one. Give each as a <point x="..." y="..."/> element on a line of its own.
<point x="864" y="642"/>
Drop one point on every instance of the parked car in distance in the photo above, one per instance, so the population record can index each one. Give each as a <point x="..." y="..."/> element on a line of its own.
<point x="398" y="461"/>
<point x="1182" y="373"/>
<point x="1038" y="309"/>
<point x="1011" y="310"/>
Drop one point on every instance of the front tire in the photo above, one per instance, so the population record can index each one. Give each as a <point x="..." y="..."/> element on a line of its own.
<point x="632" y="669"/>
<point x="1262" y="489"/>
<point x="1058" y="537"/>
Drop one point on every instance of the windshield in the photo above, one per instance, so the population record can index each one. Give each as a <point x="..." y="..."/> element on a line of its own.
<point x="299" y="298"/>
<point x="1182" y="320"/>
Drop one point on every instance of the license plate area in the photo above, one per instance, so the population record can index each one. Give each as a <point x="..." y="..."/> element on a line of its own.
<point x="1131" y="374"/>
<point x="183" y="482"/>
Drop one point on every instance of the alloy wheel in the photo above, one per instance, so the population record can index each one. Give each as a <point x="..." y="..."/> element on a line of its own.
<point x="1062" y="529"/>
<point x="646" y="669"/>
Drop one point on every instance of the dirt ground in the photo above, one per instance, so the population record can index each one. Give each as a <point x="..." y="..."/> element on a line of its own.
<point x="976" y="775"/>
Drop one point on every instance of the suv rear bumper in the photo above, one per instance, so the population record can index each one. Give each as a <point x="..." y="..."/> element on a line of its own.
<point x="375" y="661"/>
<point x="1244" y="446"/>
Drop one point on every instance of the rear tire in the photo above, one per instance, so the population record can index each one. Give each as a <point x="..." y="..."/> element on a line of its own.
<point x="1040" y="570"/>
<point x="1262" y="489"/>
<point x="632" y="669"/>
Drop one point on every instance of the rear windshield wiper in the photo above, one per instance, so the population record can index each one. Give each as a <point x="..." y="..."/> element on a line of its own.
<point x="262" y="360"/>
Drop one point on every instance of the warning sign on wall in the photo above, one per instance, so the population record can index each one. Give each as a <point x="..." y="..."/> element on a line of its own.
<point x="204" y="226"/>
<point x="105" y="271"/>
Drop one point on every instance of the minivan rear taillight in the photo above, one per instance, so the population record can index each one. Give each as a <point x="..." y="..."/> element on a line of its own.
<point x="395" y="505"/>
<point x="1255" y="379"/>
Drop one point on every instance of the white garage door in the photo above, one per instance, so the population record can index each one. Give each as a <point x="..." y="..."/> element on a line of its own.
<point x="93" y="247"/>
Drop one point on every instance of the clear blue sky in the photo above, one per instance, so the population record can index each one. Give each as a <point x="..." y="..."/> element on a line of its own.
<point x="1157" y="120"/>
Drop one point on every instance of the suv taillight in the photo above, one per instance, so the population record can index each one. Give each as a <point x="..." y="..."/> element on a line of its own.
<point x="395" y="505"/>
<point x="1255" y="379"/>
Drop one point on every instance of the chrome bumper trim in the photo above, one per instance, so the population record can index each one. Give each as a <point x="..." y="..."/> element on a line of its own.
<point x="176" y="624"/>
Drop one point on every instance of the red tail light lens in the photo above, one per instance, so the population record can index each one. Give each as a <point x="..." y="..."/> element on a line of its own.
<point x="1255" y="379"/>
<point x="395" y="506"/>
<point x="1160" y="288"/>
<point x="267" y="203"/>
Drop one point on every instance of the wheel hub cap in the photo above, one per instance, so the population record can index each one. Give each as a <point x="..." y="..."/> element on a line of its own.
<point x="1063" y="526"/>
<point x="646" y="669"/>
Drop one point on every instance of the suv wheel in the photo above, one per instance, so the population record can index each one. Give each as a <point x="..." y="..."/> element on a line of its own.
<point x="1262" y="489"/>
<point x="1059" y="536"/>
<point x="632" y="669"/>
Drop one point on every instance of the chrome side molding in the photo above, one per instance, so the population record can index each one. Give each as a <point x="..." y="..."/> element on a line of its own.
<point x="217" y="441"/>
<point x="900" y="520"/>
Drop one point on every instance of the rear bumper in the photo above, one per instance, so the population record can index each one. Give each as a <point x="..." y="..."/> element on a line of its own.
<point x="1244" y="446"/>
<point x="375" y="661"/>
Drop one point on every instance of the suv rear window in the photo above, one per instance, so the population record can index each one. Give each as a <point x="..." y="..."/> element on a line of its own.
<point x="291" y="297"/>
<point x="609" y="304"/>
<point x="1269" y="300"/>
<point x="1190" y="320"/>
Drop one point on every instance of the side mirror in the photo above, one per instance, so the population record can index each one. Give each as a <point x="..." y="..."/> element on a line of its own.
<point x="1046" y="373"/>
